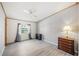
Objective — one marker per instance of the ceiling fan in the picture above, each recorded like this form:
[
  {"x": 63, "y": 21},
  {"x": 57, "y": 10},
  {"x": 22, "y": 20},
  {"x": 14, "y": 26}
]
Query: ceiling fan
[{"x": 30, "y": 12}]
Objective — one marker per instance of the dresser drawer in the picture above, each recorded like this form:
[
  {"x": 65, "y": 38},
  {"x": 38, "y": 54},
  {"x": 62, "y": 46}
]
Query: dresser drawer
[
  {"x": 68, "y": 50},
  {"x": 65, "y": 46},
  {"x": 66, "y": 41}
]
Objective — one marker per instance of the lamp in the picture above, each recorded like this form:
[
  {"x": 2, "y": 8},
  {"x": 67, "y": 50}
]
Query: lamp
[{"x": 67, "y": 30}]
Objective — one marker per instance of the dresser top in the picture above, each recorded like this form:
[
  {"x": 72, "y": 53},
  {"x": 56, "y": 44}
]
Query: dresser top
[{"x": 66, "y": 38}]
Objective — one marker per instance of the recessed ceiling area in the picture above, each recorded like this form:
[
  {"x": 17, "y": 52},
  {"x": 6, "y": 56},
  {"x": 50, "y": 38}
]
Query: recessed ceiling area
[{"x": 33, "y": 11}]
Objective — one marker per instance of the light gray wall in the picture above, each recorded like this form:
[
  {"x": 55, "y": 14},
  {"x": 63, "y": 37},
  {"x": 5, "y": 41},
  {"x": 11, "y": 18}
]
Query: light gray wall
[
  {"x": 52, "y": 27},
  {"x": 2, "y": 30},
  {"x": 12, "y": 29}
]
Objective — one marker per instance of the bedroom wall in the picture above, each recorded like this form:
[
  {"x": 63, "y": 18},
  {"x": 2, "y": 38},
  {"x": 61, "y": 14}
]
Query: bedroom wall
[
  {"x": 12, "y": 29},
  {"x": 52, "y": 27},
  {"x": 2, "y": 30},
  {"x": 78, "y": 27}
]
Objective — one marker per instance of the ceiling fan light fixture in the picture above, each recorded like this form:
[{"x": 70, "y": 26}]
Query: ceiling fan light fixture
[
  {"x": 26, "y": 11},
  {"x": 30, "y": 12}
]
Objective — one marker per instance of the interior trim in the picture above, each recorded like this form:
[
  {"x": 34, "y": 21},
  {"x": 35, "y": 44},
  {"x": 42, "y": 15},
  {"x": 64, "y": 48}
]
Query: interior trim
[
  {"x": 10, "y": 17},
  {"x": 58, "y": 12},
  {"x": 5, "y": 31},
  {"x": 3, "y": 50},
  {"x": 3, "y": 9},
  {"x": 5, "y": 23},
  {"x": 41, "y": 19},
  {"x": 51, "y": 42},
  {"x": 20, "y": 20}
]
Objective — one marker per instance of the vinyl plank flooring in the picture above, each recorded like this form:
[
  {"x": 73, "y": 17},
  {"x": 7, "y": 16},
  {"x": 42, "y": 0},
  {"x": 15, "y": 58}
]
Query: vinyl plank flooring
[{"x": 33, "y": 48}]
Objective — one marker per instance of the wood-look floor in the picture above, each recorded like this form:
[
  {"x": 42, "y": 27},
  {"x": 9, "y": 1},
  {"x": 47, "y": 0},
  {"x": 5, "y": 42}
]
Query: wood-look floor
[{"x": 33, "y": 48}]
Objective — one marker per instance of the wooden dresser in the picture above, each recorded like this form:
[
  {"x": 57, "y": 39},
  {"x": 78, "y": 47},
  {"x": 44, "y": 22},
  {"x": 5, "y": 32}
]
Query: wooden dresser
[{"x": 66, "y": 45}]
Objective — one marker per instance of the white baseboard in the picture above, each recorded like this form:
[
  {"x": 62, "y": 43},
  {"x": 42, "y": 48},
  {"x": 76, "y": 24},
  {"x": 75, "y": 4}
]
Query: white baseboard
[
  {"x": 76, "y": 52},
  {"x": 56, "y": 44},
  {"x": 2, "y": 50},
  {"x": 51, "y": 42}
]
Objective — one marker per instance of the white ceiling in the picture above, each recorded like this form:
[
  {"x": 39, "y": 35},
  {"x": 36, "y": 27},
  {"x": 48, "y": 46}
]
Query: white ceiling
[{"x": 17, "y": 10}]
